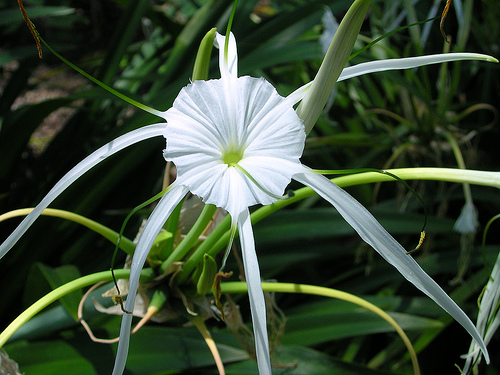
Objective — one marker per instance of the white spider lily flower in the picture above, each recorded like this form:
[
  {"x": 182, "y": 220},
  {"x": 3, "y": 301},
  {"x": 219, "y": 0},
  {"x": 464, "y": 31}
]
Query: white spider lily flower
[
  {"x": 488, "y": 319},
  {"x": 236, "y": 143}
]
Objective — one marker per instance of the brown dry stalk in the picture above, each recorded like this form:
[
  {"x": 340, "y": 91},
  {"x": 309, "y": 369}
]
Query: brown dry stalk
[
  {"x": 443, "y": 17},
  {"x": 32, "y": 28}
]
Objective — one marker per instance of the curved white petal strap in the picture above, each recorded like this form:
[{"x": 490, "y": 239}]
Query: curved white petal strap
[
  {"x": 408, "y": 63},
  {"x": 488, "y": 319},
  {"x": 298, "y": 94},
  {"x": 229, "y": 66},
  {"x": 82, "y": 167},
  {"x": 255, "y": 293},
  {"x": 153, "y": 226},
  {"x": 376, "y": 236}
]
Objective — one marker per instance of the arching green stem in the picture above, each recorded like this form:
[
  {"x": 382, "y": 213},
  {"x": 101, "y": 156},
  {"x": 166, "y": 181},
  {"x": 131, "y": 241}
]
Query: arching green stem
[
  {"x": 67, "y": 288},
  {"x": 125, "y": 244},
  {"x": 241, "y": 287}
]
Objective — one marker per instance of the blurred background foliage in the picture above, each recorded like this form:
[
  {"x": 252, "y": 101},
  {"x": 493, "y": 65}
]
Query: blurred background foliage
[{"x": 51, "y": 118}]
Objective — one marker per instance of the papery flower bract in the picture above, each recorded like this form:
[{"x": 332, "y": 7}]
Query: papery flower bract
[{"x": 236, "y": 142}]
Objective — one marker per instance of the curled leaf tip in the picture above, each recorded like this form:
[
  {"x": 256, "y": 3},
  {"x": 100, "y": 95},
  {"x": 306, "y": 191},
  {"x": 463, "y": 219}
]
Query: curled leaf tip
[{"x": 216, "y": 290}]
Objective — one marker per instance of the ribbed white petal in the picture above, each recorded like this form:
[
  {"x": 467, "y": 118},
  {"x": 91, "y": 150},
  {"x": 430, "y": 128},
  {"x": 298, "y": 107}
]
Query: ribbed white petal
[
  {"x": 155, "y": 222},
  {"x": 376, "y": 236},
  {"x": 255, "y": 293},
  {"x": 408, "y": 63},
  {"x": 229, "y": 66},
  {"x": 245, "y": 116},
  {"x": 224, "y": 187},
  {"x": 86, "y": 164}
]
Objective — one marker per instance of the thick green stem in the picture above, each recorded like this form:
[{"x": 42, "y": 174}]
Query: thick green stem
[
  {"x": 188, "y": 242},
  {"x": 220, "y": 233}
]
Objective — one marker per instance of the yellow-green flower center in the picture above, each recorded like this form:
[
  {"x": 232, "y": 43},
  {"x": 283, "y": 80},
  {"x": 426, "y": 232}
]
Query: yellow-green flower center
[{"x": 232, "y": 158}]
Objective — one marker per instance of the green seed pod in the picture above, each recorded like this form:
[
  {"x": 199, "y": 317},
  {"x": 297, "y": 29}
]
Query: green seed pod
[
  {"x": 206, "y": 279},
  {"x": 202, "y": 62}
]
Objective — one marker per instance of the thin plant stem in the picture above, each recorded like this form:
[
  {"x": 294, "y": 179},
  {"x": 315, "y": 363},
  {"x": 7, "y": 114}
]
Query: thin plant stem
[{"x": 202, "y": 328}]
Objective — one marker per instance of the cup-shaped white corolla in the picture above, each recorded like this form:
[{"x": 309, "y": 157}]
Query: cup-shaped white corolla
[{"x": 236, "y": 143}]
